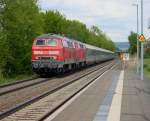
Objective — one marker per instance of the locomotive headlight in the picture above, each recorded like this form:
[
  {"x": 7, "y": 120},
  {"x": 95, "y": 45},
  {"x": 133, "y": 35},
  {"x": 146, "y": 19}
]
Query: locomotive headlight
[
  {"x": 53, "y": 52},
  {"x": 54, "y": 57},
  {"x": 38, "y": 52},
  {"x": 36, "y": 57}
]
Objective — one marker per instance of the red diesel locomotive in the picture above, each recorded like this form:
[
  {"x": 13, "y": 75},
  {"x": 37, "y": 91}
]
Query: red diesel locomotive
[{"x": 52, "y": 52}]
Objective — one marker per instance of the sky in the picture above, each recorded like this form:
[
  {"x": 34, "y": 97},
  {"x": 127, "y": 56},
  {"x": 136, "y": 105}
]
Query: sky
[{"x": 116, "y": 18}]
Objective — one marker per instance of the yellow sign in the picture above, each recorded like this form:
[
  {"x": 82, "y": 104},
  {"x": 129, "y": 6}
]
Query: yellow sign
[{"x": 141, "y": 38}]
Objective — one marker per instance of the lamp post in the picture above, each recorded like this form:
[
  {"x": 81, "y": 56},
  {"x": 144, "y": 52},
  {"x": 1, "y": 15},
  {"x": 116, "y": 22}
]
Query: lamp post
[
  {"x": 149, "y": 23},
  {"x": 137, "y": 6},
  {"x": 142, "y": 42}
]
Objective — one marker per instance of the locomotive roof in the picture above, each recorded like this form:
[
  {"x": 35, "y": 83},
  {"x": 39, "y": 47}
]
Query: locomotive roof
[
  {"x": 49, "y": 35},
  {"x": 55, "y": 35}
]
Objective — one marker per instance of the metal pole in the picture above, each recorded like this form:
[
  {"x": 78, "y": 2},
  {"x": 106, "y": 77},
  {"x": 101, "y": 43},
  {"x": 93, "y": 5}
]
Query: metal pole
[
  {"x": 137, "y": 62},
  {"x": 138, "y": 39},
  {"x": 141, "y": 42}
]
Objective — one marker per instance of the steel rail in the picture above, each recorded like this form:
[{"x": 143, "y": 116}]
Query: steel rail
[{"x": 32, "y": 100}]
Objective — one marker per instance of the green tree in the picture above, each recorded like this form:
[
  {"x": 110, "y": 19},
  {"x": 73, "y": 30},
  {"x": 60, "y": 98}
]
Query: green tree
[
  {"x": 101, "y": 39},
  {"x": 76, "y": 30},
  {"x": 53, "y": 22},
  {"x": 96, "y": 30},
  {"x": 133, "y": 42},
  {"x": 21, "y": 22}
]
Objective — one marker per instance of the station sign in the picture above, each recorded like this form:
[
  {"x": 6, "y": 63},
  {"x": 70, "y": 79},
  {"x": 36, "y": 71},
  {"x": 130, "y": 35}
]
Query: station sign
[{"x": 141, "y": 38}]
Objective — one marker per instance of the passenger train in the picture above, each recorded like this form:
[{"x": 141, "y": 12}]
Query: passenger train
[{"x": 51, "y": 52}]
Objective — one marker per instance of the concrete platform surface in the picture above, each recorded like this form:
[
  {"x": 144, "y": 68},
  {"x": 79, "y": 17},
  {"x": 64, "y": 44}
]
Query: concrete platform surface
[{"x": 136, "y": 96}]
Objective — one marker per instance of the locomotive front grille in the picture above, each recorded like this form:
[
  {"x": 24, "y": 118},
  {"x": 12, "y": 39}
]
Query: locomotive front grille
[
  {"x": 46, "y": 63},
  {"x": 46, "y": 58}
]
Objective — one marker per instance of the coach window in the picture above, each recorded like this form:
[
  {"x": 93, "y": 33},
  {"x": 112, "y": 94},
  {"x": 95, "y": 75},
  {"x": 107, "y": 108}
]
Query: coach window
[
  {"x": 81, "y": 46},
  {"x": 73, "y": 44},
  {"x": 69, "y": 44},
  {"x": 52, "y": 42},
  {"x": 84, "y": 47},
  {"x": 65, "y": 43},
  {"x": 76, "y": 45}
]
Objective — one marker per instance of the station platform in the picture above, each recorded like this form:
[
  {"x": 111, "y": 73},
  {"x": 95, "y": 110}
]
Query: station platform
[
  {"x": 136, "y": 96},
  {"x": 119, "y": 95}
]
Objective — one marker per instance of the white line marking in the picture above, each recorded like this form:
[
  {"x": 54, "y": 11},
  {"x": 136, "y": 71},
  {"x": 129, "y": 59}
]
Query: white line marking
[
  {"x": 115, "y": 109},
  {"x": 51, "y": 117}
]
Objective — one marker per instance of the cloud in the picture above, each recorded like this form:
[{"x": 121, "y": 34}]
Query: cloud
[
  {"x": 115, "y": 17},
  {"x": 90, "y": 8}
]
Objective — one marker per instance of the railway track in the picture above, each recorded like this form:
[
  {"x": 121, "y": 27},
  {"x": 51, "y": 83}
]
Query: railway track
[
  {"x": 20, "y": 85},
  {"x": 9, "y": 88},
  {"x": 24, "y": 104},
  {"x": 17, "y": 82}
]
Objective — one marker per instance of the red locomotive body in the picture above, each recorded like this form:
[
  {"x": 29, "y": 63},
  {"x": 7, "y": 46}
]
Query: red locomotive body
[{"x": 53, "y": 52}]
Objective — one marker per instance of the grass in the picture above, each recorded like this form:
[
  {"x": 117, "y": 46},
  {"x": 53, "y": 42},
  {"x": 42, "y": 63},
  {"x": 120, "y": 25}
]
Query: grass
[
  {"x": 147, "y": 67},
  {"x": 4, "y": 81}
]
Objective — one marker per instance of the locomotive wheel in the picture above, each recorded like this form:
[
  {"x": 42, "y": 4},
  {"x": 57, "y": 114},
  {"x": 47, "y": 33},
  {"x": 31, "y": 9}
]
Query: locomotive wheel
[
  {"x": 60, "y": 70},
  {"x": 73, "y": 66}
]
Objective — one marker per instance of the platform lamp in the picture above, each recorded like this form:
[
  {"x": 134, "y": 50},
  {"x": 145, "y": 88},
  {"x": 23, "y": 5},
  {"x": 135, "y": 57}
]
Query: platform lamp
[
  {"x": 149, "y": 23},
  {"x": 142, "y": 51}
]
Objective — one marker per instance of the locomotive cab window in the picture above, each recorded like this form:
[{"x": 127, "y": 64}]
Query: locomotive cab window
[
  {"x": 40, "y": 42},
  {"x": 52, "y": 42}
]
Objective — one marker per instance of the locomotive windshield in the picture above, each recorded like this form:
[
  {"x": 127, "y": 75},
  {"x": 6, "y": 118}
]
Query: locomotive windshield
[
  {"x": 51, "y": 42},
  {"x": 40, "y": 42}
]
